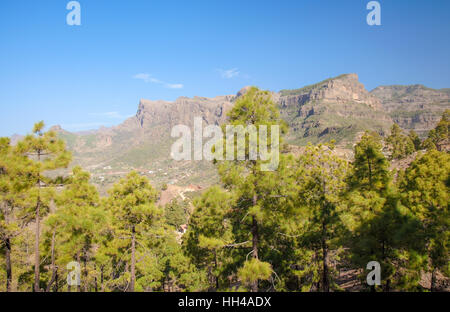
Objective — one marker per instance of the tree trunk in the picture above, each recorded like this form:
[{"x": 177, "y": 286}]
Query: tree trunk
[
  {"x": 7, "y": 242},
  {"x": 215, "y": 266},
  {"x": 133, "y": 259},
  {"x": 95, "y": 278},
  {"x": 255, "y": 243},
  {"x": 325, "y": 281},
  {"x": 387, "y": 287},
  {"x": 370, "y": 172},
  {"x": 54, "y": 269},
  {"x": 86, "y": 282},
  {"x": 101, "y": 279},
  {"x": 78, "y": 260},
  {"x": 36, "y": 248},
  {"x": 36, "y": 243},
  {"x": 433, "y": 280},
  {"x": 8, "y": 264},
  {"x": 55, "y": 289}
]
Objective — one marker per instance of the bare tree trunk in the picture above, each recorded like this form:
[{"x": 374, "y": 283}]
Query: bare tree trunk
[
  {"x": 101, "y": 279},
  {"x": 255, "y": 243},
  {"x": 78, "y": 260},
  {"x": 325, "y": 280},
  {"x": 133, "y": 259},
  {"x": 36, "y": 248},
  {"x": 433, "y": 280},
  {"x": 36, "y": 243},
  {"x": 55, "y": 289},
  {"x": 95, "y": 278},
  {"x": 7, "y": 242},
  {"x": 215, "y": 266},
  {"x": 86, "y": 282},
  {"x": 54, "y": 269},
  {"x": 8, "y": 264}
]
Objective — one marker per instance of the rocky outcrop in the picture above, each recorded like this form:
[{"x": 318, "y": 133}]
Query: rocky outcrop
[
  {"x": 183, "y": 111},
  {"x": 337, "y": 108},
  {"x": 413, "y": 107},
  {"x": 334, "y": 91}
]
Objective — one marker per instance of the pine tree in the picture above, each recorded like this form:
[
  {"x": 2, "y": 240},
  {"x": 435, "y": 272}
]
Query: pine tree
[
  {"x": 77, "y": 223},
  {"x": 254, "y": 271},
  {"x": 244, "y": 176},
  {"x": 415, "y": 139},
  {"x": 14, "y": 183},
  {"x": 370, "y": 167},
  {"x": 132, "y": 202},
  {"x": 48, "y": 153},
  {"x": 439, "y": 136},
  {"x": 320, "y": 178},
  {"x": 177, "y": 271},
  {"x": 175, "y": 214},
  {"x": 400, "y": 145},
  {"x": 428, "y": 143},
  {"x": 426, "y": 188},
  {"x": 209, "y": 235},
  {"x": 381, "y": 229},
  {"x": 7, "y": 225}
]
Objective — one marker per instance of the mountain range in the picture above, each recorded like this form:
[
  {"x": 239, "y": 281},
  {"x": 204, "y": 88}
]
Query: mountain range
[{"x": 338, "y": 108}]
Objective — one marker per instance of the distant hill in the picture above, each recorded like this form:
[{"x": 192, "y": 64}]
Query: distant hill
[{"x": 414, "y": 107}]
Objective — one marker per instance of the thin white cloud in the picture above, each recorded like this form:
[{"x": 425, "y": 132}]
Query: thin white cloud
[
  {"x": 174, "y": 86},
  {"x": 228, "y": 73},
  {"x": 149, "y": 79},
  {"x": 111, "y": 115},
  {"x": 144, "y": 77}
]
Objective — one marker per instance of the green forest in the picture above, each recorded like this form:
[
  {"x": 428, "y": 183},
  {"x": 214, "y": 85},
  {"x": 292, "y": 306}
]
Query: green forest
[{"x": 311, "y": 225}]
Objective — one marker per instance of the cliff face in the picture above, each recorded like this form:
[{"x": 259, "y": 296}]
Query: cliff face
[
  {"x": 414, "y": 107},
  {"x": 164, "y": 114},
  {"x": 143, "y": 142},
  {"x": 337, "y": 108},
  {"x": 339, "y": 90}
]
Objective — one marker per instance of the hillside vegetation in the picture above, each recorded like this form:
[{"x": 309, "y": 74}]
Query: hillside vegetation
[{"x": 312, "y": 224}]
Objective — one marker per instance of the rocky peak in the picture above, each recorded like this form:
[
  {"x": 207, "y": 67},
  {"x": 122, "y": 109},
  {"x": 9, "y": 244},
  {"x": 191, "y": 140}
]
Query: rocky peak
[
  {"x": 337, "y": 108},
  {"x": 183, "y": 111},
  {"x": 339, "y": 90},
  {"x": 56, "y": 128}
]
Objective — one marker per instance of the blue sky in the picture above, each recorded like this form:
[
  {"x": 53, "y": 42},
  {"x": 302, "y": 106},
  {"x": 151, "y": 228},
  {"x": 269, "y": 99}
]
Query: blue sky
[{"x": 85, "y": 76}]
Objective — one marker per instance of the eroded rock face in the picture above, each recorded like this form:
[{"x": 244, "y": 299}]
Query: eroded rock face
[
  {"x": 339, "y": 90},
  {"x": 183, "y": 111},
  {"x": 336, "y": 108},
  {"x": 414, "y": 107}
]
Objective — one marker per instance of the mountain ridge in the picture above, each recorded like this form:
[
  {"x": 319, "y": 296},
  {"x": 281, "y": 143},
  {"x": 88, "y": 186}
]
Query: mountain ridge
[{"x": 338, "y": 108}]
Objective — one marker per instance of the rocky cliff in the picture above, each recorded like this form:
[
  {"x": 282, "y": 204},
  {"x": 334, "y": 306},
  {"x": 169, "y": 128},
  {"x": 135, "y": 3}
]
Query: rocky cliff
[
  {"x": 414, "y": 107},
  {"x": 337, "y": 108}
]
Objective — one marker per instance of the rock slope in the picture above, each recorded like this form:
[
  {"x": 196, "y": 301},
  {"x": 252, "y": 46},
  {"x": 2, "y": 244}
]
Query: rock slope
[{"x": 414, "y": 107}]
